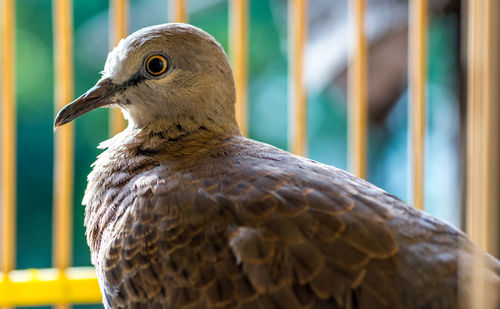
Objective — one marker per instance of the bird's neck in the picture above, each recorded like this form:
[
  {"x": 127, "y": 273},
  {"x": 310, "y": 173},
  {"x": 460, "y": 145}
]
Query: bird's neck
[
  {"x": 168, "y": 140},
  {"x": 177, "y": 134},
  {"x": 171, "y": 147}
]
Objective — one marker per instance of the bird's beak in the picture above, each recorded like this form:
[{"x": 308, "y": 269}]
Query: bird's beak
[{"x": 98, "y": 96}]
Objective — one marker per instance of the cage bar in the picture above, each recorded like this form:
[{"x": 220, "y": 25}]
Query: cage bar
[
  {"x": 472, "y": 119},
  {"x": 64, "y": 136},
  {"x": 8, "y": 140},
  {"x": 483, "y": 124},
  {"x": 39, "y": 287},
  {"x": 297, "y": 28},
  {"x": 489, "y": 124},
  {"x": 178, "y": 11},
  {"x": 119, "y": 30},
  {"x": 476, "y": 212},
  {"x": 482, "y": 146},
  {"x": 357, "y": 92},
  {"x": 492, "y": 127},
  {"x": 238, "y": 30},
  {"x": 417, "y": 77},
  {"x": 473, "y": 208}
]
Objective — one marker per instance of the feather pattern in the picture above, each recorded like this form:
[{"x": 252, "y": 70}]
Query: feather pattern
[{"x": 211, "y": 221}]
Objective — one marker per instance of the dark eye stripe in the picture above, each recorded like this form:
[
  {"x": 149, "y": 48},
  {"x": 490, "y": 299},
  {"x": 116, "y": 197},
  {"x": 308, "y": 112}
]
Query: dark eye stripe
[
  {"x": 156, "y": 65},
  {"x": 134, "y": 80}
]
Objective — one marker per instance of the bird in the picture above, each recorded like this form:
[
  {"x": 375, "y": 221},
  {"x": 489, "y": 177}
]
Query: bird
[{"x": 182, "y": 211}]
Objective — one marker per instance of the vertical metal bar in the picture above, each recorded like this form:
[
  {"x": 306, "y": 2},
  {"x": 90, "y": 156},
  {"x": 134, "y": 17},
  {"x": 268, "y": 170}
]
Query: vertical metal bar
[
  {"x": 472, "y": 112},
  {"x": 238, "y": 50},
  {"x": 474, "y": 181},
  {"x": 417, "y": 77},
  {"x": 8, "y": 140},
  {"x": 357, "y": 107},
  {"x": 472, "y": 216},
  {"x": 489, "y": 124},
  {"x": 297, "y": 27},
  {"x": 482, "y": 142},
  {"x": 492, "y": 127},
  {"x": 119, "y": 30},
  {"x": 64, "y": 143},
  {"x": 178, "y": 11},
  {"x": 484, "y": 109}
]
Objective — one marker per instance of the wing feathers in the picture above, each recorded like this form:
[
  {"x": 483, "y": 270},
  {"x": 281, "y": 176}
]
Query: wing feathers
[{"x": 259, "y": 237}]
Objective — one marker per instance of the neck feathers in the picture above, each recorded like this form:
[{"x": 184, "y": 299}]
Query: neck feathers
[{"x": 131, "y": 154}]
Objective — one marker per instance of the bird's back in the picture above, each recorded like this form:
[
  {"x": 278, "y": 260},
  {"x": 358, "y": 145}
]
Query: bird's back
[{"x": 205, "y": 222}]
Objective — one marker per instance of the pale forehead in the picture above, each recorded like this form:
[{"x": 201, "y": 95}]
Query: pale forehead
[{"x": 126, "y": 57}]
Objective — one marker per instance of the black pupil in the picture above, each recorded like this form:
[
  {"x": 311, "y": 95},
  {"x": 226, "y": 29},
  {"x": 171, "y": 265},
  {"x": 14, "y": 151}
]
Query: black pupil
[{"x": 155, "y": 65}]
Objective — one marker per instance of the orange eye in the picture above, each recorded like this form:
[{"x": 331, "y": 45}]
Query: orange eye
[{"x": 156, "y": 65}]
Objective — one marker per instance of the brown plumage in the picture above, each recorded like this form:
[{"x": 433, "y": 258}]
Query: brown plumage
[{"x": 183, "y": 212}]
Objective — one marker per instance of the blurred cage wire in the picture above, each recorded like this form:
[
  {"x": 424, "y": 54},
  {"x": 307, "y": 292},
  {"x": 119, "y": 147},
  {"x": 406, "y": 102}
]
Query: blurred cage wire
[{"x": 64, "y": 285}]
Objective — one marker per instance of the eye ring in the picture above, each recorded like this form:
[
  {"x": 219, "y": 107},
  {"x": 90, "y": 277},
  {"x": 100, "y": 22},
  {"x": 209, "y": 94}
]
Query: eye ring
[{"x": 156, "y": 65}]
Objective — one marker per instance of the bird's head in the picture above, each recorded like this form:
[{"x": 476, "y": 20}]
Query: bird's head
[{"x": 170, "y": 73}]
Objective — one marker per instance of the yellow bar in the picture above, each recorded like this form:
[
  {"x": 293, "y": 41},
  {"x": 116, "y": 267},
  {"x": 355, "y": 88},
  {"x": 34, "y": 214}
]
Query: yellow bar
[
  {"x": 417, "y": 101},
  {"x": 297, "y": 28},
  {"x": 63, "y": 159},
  {"x": 238, "y": 29},
  {"x": 39, "y": 287},
  {"x": 357, "y": 107},
  {"x": 178, "y": 11},
  {"x": 119, "y": 30},
  {"x": 8, "y": 140}
]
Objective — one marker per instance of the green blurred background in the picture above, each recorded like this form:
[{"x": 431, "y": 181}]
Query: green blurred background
[{"x": 267, "y": 114}]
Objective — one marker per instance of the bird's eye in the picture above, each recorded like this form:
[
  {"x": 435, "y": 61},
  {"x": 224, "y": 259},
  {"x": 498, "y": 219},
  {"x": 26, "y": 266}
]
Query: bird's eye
[{"x": 156, "y": 65}]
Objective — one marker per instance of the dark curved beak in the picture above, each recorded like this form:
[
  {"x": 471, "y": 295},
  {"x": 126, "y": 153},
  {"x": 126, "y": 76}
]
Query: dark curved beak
[{"x": 98, "y": 96}]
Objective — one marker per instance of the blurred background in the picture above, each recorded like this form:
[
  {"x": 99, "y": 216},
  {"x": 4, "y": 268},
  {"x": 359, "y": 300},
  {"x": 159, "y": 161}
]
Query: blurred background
[{"x": 326, "y": 63}]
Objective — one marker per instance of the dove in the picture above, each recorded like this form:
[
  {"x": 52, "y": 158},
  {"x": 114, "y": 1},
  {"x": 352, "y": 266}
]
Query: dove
[{"x": 181, "y": 211}]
